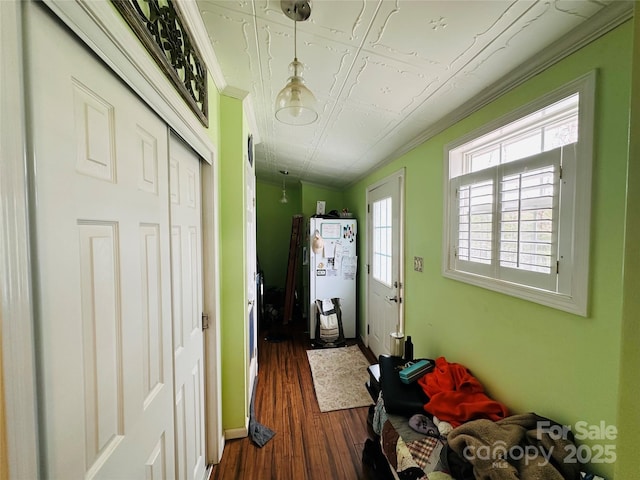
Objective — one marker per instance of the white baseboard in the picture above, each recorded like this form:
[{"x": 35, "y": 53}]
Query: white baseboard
[{"x": 233, "y": 433}]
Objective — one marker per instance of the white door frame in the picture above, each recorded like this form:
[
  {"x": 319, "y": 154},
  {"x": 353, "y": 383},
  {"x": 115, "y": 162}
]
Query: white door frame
[
  {"x": 399, "y": 176},
  {"x": 211, "y": 305},
  {"x": 16, "y": 306},
  {"x": 250, "y": 250},
  {"x": 99, "y": 26}
]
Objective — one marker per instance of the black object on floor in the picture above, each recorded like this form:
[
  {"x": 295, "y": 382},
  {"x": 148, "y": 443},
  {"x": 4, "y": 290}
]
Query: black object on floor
[
  {"x": 373, "y": 385},
  {"x": 276, "y": 337},
  {"x": 259, "y": 434},
  {"x": 375, "y": 463},
  {"x": 328, "y": 337}
]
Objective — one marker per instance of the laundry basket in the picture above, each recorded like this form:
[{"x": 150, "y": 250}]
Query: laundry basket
[{"x": 329, "y": 332}]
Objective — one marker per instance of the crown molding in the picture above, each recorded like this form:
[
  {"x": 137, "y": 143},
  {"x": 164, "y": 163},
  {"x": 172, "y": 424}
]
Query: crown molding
[
  {"x": 319, "y": 185},
  {"x": 234, "y": 92},
  {"x": 598, "y": 25},
  {"x": 193, "y": 17},
  {"x": 250, "y": 115}
]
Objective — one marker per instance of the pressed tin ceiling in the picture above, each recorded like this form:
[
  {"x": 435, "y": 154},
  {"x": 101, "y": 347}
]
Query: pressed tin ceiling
[{"x": 386, "y": 73}]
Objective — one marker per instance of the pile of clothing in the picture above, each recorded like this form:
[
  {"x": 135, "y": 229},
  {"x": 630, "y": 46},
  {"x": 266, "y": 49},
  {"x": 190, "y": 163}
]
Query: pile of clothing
[
  {"x": 518, "y": 447},
  {"x": 483, "y": 441},
  {"x": 455, "y": 431},
  {"x": 456, "y": 396}
]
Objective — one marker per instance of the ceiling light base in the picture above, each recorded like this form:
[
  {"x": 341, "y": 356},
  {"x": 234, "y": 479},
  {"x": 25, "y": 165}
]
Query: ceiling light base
[{"x": 296, "y": 10}]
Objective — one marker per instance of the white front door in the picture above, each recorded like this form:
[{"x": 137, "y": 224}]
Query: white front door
[
  {"x": 384, "y": 247},
  {"x": 186, "y": 263},
  {"x": 103, "y": 281}
]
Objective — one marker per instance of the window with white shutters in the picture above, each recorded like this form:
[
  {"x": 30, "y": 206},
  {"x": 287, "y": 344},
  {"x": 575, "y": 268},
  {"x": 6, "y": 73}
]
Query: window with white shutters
[
  {"x": 507, "y": 220},
  {"x": 515, "y": 202}
]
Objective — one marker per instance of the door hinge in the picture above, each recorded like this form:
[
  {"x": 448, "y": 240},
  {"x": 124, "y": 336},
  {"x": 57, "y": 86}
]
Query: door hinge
[
  {"x": 368, "y": 208},
  {"x": 368, "y": 270},
  {"x": 367, "y": 329},
  {"x": 560, "y": 172},
  {"x": 557, "y": 267},
  {"x": 205, "y": 321}
]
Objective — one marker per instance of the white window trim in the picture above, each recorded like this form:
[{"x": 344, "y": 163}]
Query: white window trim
[{"x": 578, "y": 261}]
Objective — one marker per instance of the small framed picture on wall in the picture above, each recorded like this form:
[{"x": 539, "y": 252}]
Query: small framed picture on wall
[
  {"x": 320, "y": 207},
  {"x": 250, "y": 149}
]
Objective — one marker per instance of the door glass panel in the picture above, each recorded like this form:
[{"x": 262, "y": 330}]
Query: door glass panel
[{"x": 382, "y": 245}]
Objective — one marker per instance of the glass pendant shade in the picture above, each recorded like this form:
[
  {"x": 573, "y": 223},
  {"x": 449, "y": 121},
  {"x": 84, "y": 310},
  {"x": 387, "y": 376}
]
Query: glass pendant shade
[
  {"x": 295, "y": 104},
  {"x": 284, "y": 198}
]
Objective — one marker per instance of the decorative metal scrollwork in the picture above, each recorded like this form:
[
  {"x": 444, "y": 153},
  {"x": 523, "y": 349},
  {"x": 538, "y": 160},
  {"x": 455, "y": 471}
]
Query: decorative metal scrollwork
[{"x": 161, "y": 29}]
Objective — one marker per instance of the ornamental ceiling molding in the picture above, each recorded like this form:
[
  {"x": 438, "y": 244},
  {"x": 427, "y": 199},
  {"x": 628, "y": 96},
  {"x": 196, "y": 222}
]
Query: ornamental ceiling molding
[{"x": 598, "y": 25}]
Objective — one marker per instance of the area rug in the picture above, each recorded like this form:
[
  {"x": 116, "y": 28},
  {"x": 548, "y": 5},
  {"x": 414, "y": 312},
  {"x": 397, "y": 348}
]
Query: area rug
[{"x": 339, "y": 377}]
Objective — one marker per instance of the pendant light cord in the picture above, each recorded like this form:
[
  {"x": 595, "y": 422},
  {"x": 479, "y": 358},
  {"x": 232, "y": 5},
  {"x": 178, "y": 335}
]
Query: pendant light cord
[{"x": 295, "y": 40}]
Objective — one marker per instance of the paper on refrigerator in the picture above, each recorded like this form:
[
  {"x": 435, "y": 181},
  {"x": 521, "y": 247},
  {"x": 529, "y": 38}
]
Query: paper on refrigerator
[{"x": 349, "y": 267}]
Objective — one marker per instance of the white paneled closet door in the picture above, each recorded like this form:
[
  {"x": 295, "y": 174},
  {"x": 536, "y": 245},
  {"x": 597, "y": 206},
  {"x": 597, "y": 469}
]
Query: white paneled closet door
[
  {"x": 102, "y": 253},
  {"x": 186, "y": 259}
]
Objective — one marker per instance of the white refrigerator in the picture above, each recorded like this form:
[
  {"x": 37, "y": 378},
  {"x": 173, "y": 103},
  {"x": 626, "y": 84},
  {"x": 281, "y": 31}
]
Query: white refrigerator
[{"x": 332, "y": 268}]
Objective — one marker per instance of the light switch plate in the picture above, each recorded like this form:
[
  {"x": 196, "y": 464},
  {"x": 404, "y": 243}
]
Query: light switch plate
[{"x": 417, "y": 264}]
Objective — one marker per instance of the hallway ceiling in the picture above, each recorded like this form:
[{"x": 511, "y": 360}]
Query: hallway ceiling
[{"x": 386, "y": 73}]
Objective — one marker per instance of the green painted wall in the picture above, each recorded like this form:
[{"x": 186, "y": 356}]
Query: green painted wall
[
  {"x": 628, "y": 464},
  {"x": 233, "y": 326},
  {"x": 274, "y": 229},
  {"x": 532, "y": 357},
  {"x": 312, "y": 193}
]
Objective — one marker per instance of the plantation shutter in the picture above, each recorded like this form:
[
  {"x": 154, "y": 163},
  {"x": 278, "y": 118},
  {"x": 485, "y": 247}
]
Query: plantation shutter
[
  {"x": 506, "y": 220},
  {"x": 528, "y": 225},
  {"x": 474, "y": 222}
]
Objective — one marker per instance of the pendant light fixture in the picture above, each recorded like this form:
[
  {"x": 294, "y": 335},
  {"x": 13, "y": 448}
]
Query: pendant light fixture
[
  {"x": 295, "y": 104},
  {"x": 284, "y": 198}
]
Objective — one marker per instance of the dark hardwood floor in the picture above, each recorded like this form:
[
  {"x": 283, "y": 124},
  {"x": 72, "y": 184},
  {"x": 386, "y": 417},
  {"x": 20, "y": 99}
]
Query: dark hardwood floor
[{"x": 308, "y": 444}]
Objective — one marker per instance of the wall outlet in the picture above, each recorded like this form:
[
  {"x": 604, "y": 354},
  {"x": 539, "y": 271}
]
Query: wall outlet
[{"x": 417, "y": 264}]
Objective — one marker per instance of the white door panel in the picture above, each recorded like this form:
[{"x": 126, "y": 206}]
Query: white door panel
[
  {"x": 101, "y": 221},
  {"x": 377, "y": 328},
  {"x": 186, "y": 256}
]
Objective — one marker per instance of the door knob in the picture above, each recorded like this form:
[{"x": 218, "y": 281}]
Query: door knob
[{"x": 393, "y": 299}]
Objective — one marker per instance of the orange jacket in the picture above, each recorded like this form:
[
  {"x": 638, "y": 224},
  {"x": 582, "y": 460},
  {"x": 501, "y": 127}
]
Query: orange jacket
[{"x": 456, "y": 396}]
